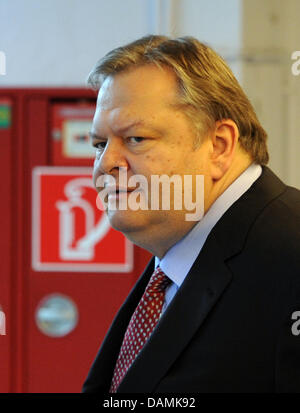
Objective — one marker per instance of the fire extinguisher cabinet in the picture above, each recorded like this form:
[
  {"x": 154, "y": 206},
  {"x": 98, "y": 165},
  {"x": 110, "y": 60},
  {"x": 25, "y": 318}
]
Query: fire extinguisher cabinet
[{"x": 64, "y": 272}]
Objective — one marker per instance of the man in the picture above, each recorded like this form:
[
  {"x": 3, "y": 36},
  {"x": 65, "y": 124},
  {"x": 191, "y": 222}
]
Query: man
[{"x": 225, "y": 317}]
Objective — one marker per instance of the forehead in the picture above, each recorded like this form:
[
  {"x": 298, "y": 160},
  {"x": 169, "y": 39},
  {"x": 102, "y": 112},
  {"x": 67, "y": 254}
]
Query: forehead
[{"x": 139, "y": 87}]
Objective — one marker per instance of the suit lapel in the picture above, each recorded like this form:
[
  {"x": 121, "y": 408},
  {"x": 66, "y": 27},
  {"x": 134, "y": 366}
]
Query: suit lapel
[{"x": 198, "y": 294}]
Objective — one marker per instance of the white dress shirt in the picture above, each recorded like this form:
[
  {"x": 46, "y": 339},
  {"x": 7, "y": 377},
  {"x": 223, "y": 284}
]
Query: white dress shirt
[{"x": 178, "y": 260}]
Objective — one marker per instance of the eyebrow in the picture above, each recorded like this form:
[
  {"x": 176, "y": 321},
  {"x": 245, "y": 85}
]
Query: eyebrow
[
  {"x": 94, "y": 136},
  {"x": 127, "y": 127},
  {"x": 131, "y": 125}
]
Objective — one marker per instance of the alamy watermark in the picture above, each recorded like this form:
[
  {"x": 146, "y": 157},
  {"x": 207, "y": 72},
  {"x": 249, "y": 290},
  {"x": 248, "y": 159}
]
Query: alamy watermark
[
  {"x": 296, "y": 324},
  {"x": 296, "y": 65},
  {"x": 160, "y": 192},
  {"x": 2, "y": 324},
  {"x": 2, "y": 63}
]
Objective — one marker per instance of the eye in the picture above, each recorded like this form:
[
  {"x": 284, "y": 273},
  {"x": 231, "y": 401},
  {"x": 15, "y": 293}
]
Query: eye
[
  {"x": 135, "y": 139},
  {"x": 100, "y": 145}
]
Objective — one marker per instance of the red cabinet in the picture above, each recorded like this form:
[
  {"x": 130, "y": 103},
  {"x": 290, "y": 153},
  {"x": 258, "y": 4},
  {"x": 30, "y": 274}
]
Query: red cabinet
[{"x": 63, "y": 272}]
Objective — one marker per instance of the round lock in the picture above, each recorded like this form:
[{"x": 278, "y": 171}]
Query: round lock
[{"x": 56, "y": 315}]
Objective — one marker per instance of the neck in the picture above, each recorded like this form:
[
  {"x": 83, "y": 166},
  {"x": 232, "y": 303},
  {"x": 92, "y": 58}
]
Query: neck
[
  {"x": 153, "y": 241},
  {"x": 217, "y": 187}
]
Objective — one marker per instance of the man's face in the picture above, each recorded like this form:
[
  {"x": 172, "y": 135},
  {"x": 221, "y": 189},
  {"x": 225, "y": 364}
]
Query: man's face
[{"x": 135, "y": 127}]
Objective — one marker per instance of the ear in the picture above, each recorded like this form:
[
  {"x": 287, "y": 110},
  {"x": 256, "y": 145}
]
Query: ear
[{"x": 224, "y": 142}]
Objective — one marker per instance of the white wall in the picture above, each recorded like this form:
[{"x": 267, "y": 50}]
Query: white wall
[
  {"x": 56, "y": 42},
  {"x": 271, "y": 33}
]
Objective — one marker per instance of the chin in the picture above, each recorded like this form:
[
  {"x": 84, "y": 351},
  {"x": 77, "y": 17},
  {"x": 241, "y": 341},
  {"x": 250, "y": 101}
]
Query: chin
[{"x": 125, "y": 221}]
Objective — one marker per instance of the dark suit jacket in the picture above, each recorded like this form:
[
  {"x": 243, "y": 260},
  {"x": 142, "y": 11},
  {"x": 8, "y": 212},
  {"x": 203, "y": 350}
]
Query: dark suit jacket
[{"x": 229, "y": 327}]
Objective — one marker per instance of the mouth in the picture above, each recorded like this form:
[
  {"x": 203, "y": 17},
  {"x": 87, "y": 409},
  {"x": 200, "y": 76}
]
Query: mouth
[{"x": 117, "y": 192}]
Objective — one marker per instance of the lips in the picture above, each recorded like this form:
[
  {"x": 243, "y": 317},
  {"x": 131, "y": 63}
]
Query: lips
[{"x": 116, "y": 190}]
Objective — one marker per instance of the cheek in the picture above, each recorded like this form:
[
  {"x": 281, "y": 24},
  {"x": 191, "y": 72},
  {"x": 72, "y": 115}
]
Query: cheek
[
  {"x": 159, "y": 163},
  {"x": 147, "y": 165}
]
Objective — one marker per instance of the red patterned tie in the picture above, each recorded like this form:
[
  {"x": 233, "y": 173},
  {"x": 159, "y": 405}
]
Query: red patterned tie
[{"x": 141, "y": 325}]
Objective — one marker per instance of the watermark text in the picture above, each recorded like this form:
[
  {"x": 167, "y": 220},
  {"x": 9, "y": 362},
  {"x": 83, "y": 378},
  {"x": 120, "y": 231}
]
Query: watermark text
[
  {"x": 296, "y": 65},
  {"x": 296, "y": 324},
  {"x": 2, "y": 324},
  {"x": 159, "y": 192},
  {"x": 2, "y": 64}
]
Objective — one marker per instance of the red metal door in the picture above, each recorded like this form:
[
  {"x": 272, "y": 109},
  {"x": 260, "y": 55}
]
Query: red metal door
[
  {"x": 6, "y": 239},
  {"x": 32, "y": 296}
]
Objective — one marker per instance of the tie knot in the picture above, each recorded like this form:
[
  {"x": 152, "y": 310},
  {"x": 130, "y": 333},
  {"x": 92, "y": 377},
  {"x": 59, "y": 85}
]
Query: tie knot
[{"x": 158, "y": 281}]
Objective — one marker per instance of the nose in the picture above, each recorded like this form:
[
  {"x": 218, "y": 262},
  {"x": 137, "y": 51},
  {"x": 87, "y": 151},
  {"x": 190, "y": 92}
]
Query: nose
[{"x": 110, "y": 160}]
